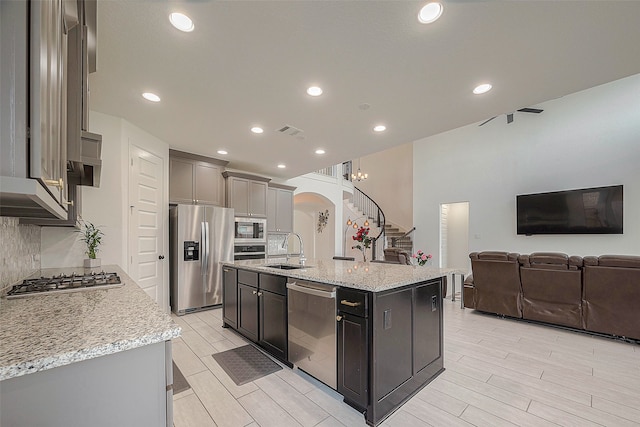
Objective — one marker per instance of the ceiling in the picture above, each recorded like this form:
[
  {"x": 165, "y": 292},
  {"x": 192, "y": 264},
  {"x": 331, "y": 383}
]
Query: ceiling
[{"x": 249, "y": 63}]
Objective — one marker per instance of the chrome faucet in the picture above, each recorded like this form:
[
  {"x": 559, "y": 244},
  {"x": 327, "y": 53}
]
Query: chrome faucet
[{"x": 302, "y": 259}]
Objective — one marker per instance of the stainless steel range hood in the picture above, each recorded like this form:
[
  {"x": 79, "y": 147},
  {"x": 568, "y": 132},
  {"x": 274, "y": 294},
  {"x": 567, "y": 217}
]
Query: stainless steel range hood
[{"x": 85, "y": 160}]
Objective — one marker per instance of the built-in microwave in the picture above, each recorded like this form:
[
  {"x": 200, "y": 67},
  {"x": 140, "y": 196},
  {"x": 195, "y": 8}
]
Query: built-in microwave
[{"x": 250, "y": 230}]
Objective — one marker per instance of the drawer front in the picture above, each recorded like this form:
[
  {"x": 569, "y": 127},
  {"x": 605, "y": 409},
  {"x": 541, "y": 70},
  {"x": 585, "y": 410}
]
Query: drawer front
[
  {"x": 353, "y": 302},
  {"x": 248, "y": 278},
  {"x": 275, "y": 284}
]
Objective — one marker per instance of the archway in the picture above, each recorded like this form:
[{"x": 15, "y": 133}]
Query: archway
[{"x": 319, "y": 240}]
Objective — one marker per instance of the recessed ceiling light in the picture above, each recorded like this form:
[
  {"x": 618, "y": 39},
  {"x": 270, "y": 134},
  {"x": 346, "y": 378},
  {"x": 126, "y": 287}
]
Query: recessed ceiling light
[
  {"x": 223, "y": 152},
  {"x": 151, "y": 97},
  {"x": 483, "y": 88},
  {"x": 320, "y": 151},
  {"x": 314, "y": 91},
  {"x": 430, "y": 12},
  {"x": 380, "y": 128},
  {"x": 182, "y": 22},
  {"x": 257, "y": 129},
  {"x": 281, "y": 166}
]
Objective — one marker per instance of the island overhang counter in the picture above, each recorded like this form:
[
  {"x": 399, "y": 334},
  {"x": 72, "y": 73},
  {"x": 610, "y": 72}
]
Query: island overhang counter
[{"x": 388, "y": 323}]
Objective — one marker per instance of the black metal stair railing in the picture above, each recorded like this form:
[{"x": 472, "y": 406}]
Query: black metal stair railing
[{"x": 371, "y": 210}]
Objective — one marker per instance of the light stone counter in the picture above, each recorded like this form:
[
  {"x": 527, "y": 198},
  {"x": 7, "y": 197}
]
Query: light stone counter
[
  {"x": 46, "y": 331},
  {"x": 368, "y": 276}
]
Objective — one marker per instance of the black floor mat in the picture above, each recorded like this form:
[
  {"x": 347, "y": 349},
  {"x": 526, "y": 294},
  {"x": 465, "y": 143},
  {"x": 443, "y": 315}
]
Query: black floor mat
[
  {"x": 180, "y": 383},
  {"x": 245, "y": 364}
]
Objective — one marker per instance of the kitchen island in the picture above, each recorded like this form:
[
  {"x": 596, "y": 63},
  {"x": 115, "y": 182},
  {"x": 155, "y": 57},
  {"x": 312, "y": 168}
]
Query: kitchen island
[
  {"x": 387, "y": 327},
  {"x": 98, "y": 357}
]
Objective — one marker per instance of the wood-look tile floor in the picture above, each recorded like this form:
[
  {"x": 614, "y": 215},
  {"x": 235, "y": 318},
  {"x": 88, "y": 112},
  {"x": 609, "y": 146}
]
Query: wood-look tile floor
[{"x": 499, "y": 372}]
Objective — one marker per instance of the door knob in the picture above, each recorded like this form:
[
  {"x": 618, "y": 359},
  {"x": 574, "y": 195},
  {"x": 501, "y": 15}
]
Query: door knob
[{"x": 161, "y": 257}]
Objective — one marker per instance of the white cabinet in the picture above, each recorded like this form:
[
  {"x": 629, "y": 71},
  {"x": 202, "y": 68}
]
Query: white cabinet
[
  {"x": 280, "y": 209},
  {"x": 195, "y": 179},
  {"x": 247, "y": 194}
]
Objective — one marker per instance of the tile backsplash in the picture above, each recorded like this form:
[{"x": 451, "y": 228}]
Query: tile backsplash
[
  {"x": 274, "y": 244},
  {"x": 19, "y": 251}
]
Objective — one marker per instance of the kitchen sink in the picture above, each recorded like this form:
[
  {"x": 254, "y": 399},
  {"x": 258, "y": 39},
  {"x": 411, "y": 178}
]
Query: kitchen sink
[{"x": 287, "y": 266}]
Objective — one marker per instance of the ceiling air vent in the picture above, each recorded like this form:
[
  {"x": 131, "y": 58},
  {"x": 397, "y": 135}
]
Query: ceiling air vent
[{"x": 291, "y": 131}]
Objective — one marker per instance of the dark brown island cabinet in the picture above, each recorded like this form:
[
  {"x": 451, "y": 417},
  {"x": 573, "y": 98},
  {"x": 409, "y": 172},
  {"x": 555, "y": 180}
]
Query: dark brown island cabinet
[
  {"x": 389, "y": 346},
  {"x": 255, "y": 305},
  {"x": 389, "y": 343}
]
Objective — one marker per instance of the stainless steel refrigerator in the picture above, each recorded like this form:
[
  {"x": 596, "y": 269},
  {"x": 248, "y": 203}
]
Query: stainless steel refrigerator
[{"x": 200, "y": 238}]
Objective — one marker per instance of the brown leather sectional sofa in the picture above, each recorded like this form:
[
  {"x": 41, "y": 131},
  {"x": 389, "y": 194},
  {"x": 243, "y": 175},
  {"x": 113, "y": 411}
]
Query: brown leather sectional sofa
[{"x": 596, "y": 294}]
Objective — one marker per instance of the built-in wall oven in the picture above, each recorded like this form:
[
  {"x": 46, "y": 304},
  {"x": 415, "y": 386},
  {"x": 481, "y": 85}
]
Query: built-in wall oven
[
  {"x": 250, "y": 238},
  {"x": 250, "y": 230},
  {"x": 243, "y": 251}
]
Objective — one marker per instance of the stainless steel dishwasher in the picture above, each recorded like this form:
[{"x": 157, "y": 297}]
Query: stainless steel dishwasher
[{"x": 312, "y": 329}]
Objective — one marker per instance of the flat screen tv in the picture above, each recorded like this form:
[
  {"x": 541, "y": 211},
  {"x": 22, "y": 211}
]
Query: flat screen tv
[{"x": 585, "y": 211}]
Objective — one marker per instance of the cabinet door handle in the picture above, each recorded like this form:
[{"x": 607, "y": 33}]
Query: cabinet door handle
[
  {"x": 349, "y": 303},
  {"x": 160, "y": 256},
  {"x": 55, "y": 182},
  {"x": 226, "y": 270},
  {"x": 64, "y": 202},
  {"x": 255, "y": 292},
  {"x": 259, "y": 294},
  {"x": 338, "y": 318}
]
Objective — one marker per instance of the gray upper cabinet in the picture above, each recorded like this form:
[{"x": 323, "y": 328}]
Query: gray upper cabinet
[
  {"x": 83, "y": 148},
  {"x": 48, "y": 101},
  {"x": 209, "y": 184},
  {"x": 280, "y": 209},
  {"x": 247, "y": 194},
  {"x": 33, "y": 127},
  {"x": 195, "y": 179}
]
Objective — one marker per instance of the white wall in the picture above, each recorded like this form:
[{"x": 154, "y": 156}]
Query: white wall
[
  {"x": 390, "y": 183},
  {"x": 587, "y": 139},
  {"x": 307, "y": 207},
  {"x": 103, "y": 206},
  {"x": 107, "y": 205}
]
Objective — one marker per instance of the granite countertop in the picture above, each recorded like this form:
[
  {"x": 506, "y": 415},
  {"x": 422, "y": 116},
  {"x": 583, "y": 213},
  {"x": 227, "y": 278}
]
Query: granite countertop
[
  {"x": 368, "y": 276},
  {"x": 46, "y": 331}
]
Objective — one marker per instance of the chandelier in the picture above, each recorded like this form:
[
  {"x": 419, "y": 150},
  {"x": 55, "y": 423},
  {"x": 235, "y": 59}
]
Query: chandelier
[{"x": 359, "y": 176}]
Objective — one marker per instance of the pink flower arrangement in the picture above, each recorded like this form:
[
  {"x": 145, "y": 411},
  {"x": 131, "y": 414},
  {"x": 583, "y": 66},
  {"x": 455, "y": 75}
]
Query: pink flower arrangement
[{"x": 422, "y": 257}]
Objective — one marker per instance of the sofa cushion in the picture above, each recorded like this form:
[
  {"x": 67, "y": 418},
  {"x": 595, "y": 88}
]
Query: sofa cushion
[
  {"x": 622, "y": 261},
  {"x": 494, "y": 255},
  {"x": 551, "y": 261}
]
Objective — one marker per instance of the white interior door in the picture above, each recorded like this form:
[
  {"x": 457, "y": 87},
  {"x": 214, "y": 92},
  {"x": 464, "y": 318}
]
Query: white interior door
[{"x": 146, "y": 219}]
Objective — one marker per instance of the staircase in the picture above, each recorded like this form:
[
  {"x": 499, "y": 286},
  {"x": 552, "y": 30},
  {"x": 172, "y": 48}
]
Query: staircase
[
  {"x": 391, "y": 232},
  {"x": 386, "y": 235}
]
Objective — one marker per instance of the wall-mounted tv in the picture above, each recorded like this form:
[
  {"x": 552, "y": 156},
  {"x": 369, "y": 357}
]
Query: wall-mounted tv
[{"x": 585, "y": 211}]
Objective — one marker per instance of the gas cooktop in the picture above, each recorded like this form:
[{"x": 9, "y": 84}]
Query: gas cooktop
[{"x": 64, "y": 283}]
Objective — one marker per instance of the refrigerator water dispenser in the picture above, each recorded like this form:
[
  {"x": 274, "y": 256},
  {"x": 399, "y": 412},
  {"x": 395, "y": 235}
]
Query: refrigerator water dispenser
[{"x": 191, "y": 251}]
